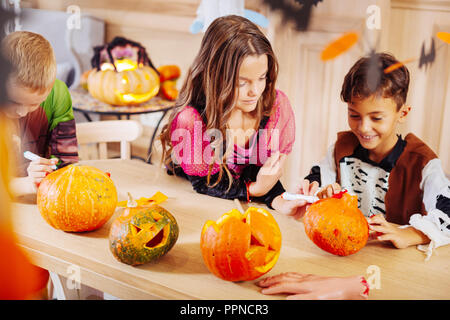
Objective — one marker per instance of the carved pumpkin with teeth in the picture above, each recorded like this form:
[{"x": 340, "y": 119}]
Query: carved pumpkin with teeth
[
  {"x": 142, "y": 234},
  {"x": 241, "y": 247}
]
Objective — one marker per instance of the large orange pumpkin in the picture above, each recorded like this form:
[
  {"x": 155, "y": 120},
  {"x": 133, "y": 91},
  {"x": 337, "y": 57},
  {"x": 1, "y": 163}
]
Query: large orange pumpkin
[
  {"x": 77, "y": 198},
  {"x": 240, "y": 247},
  {"x": 336, "y": 225}
]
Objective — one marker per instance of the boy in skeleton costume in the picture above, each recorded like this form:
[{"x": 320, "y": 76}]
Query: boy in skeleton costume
[{"x": 400, "y": 183}]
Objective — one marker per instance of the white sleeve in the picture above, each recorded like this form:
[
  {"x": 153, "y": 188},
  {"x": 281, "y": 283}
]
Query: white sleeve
[
  {"x": 328, "y": 168},
  {"x": 435, "y": 224}
]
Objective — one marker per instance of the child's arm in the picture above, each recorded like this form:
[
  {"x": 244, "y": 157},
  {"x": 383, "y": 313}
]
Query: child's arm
[
  {"x": 400, "y": 236},
  {"x": 268, "y": 175},
  {"x": 432, "y": 228},
  {"x": 37, "y": 170},
  {"x": 436, "y": 199},
  {"x": 325, "y": 175},
  {"x": 63, "y": 141},
  {"x": 296, "y": 208}
]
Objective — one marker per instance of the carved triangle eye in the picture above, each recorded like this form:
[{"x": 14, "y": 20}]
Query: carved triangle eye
[
  {"x": 156, "y": 240},
  {"x": 135, "y": 229},
  {"x": 255, "y": 242}
]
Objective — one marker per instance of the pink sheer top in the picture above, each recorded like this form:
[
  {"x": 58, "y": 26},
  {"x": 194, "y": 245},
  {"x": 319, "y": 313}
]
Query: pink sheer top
[{"x": 193, "y": 151}]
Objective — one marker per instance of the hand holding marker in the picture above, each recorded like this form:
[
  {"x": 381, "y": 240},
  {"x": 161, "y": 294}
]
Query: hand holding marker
[
  {"x": 34, "y": 157},
  {"x": 39, "y": 167},
  {"x": 294, "y": 196}
]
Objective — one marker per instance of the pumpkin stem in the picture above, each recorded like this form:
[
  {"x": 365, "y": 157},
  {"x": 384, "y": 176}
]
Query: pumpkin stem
[{"x": 131, "y": 202}]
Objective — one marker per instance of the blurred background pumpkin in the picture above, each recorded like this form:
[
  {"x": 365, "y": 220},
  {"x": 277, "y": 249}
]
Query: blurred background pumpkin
[{"x": 123, "y": 74}]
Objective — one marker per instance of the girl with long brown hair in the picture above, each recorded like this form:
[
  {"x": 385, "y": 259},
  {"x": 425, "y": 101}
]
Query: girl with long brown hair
[{"x": 231, "y": 129}]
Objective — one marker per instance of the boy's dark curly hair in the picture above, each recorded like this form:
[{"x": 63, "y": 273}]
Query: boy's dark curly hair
[{"x": 368, "y": 77}]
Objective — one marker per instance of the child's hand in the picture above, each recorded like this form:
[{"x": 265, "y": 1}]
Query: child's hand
[
  {"x": 329, "y": 190},
  {"x": 313, "y": 287},
  {"x": 38, "y": 169},
  {"x": 400, "y": 238},
  {"x": 268, "y": 175},
  {"x": 308, "y": 189},
  {"x": 293, "y": 208},
  {"x": 296, "y": 208}
]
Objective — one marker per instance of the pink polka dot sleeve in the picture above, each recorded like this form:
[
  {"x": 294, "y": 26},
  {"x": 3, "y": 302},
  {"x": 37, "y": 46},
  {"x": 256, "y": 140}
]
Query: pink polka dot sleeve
[
  {"x": 190, "y": 150},
  {"x": 281, "y": 125}
]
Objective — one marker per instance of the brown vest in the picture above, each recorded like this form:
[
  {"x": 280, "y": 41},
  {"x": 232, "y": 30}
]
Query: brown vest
[{"x": 404, "y": 197}]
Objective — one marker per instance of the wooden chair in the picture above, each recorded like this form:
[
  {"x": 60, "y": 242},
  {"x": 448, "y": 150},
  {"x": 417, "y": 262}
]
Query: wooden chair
[{"x": 101, "y": 132}]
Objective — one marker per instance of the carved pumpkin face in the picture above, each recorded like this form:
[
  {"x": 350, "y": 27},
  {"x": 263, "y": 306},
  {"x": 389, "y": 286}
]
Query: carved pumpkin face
[
  {"x": 142, "y": 234},
  {"x": 131, "y": 84},
  {"x": 336, "y": 225},
  {"x": 240, "y": 247}
]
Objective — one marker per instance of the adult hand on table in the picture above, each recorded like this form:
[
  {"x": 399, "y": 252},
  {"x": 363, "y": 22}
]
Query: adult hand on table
[{"x": 313, "y": 287}]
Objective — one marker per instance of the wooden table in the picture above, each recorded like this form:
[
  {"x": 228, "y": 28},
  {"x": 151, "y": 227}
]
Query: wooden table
[{"x": 181, "y": 274}]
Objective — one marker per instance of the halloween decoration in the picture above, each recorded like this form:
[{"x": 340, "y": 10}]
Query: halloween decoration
[
  {"x": 298, "y": 12},
  {"x": 168, "y": 75},
  {"x": 336, "y": 225},
  {"x": 339, "y": 46},
  {"x": 240, "y": 247},
  {"x": 77, "y": 198},
  {"x": 209, "y": 10},
  {"x": 443, "y": 36},
  {"x": 122, "y": 81},
  {"x": 142, "y": 234},
  {"x": 397, "y": 65},
  {"x": 157, "y": 198},
  {"x": 426, "y": 59}
]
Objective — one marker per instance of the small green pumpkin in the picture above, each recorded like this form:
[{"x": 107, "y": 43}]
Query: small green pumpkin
[{"x": 142, "y": 234}]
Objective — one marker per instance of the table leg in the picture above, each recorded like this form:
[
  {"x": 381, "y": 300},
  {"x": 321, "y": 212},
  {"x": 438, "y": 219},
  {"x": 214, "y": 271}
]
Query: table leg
[
  {"x": 86, "y": 115},
  {"x": 149, "y": 153}
]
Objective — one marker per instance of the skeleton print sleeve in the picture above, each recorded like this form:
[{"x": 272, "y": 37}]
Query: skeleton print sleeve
[
  {"x": 436, "y": 198},
  {"x": 324, "y": 172}
]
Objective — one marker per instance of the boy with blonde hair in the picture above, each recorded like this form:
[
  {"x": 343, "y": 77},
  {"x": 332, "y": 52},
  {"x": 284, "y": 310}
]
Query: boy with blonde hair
[{"x": 41, "y": 106}]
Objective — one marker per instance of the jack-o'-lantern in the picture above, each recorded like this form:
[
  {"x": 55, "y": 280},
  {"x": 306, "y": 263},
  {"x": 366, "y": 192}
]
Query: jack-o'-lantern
[
  {"x": 240, "y": 247},
  {"x": 142, "y": 233},
  {"x": 122, "y": 81},
  {"x": 77, "y": 198},
  {"x": 336, "y": 225}
]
